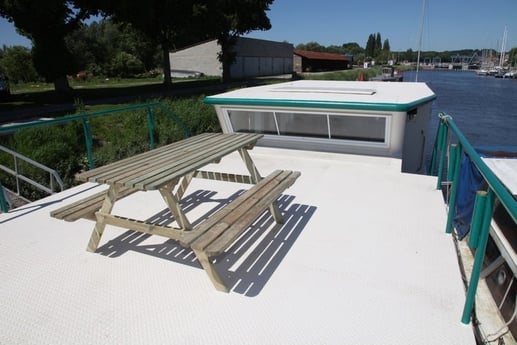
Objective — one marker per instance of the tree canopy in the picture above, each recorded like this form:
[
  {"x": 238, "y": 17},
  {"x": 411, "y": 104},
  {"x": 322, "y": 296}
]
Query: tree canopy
[
  {"x": 176, "y": 23},
  {"x": 229, "y": 19},
  {"x": 111, "y": 49},
  {"x": 46, "y": 25},
  {"x": 16, "y": 63},
  {"x": 167, "y": 23}
]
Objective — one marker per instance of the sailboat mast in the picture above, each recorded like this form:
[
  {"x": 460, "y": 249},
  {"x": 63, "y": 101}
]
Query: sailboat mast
[
  {"x": 503, "y": 47},
  {"x": 420, "y": 40}
]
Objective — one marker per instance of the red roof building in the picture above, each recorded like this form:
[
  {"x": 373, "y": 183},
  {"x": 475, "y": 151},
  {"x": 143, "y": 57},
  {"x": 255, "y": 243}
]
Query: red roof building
[{"x": 307, "y": 61}]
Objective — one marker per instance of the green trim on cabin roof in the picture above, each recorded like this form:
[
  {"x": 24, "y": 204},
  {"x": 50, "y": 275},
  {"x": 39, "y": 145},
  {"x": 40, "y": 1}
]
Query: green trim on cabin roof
[{"x": 318, "y": 104}]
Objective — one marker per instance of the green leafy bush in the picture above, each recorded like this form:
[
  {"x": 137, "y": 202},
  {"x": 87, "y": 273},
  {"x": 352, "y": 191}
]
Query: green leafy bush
[
  {"x": 125, "y": 65},
  {"x": 114, "y": 137}
]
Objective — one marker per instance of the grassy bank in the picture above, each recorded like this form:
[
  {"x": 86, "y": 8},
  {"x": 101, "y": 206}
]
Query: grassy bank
[
  {"x": 96, "y": 89},
  {"x": 62, "y": 147}
]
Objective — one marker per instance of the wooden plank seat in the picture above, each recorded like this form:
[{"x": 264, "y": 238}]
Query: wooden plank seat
[
  {"x": 208, "y": 239},
  {"x": 216, "y": 234},
  {"x": 86, "y": 207}
]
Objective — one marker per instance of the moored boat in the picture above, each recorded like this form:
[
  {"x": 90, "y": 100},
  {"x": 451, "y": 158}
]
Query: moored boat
[
  {"x": 364, "y": 243},
  {"x": 389, "y": 73}
]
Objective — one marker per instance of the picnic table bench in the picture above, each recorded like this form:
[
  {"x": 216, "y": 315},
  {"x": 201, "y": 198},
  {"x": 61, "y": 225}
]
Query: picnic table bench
[{"x": 170, "y": 169}]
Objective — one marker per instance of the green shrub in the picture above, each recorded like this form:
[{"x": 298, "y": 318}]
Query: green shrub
[
  {"x": 125, "y": 65},
  {"x": 60, "y": 147},
  {"x": 114, "y": 137},
  {"x": 197, "y": 115}
]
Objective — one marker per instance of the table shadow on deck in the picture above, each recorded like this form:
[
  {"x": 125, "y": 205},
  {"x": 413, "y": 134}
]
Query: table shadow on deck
[{"x": 248, "y": 264}]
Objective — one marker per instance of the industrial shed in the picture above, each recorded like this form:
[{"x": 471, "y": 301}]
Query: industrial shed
[
  {"x": 307, "y": 61},
  {"x": 254, "y": 58}
]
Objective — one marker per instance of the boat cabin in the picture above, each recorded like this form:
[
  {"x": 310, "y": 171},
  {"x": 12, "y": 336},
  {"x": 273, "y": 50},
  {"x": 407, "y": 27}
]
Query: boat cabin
[{"x": 368, "y": 118}]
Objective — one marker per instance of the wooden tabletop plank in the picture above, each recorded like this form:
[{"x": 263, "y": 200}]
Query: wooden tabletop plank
[
  {"x": 152, "y": 169},
  {"x": 92, "y": 175},
  {"x": 142, "y": 165},
  {"x": 179, "y": 163},
  {"x": 194, "y": 161},
  {"x": 172, "y": 161}
]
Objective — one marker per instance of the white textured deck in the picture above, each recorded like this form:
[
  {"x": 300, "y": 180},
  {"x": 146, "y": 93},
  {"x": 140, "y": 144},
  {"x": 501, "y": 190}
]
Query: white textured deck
[{"x": 363, "y": 259}]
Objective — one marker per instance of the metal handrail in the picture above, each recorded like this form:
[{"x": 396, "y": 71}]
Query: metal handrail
[
  {"x": 3, "y": 199},
  {"x": 53, "y": 174},
  {"x": 84, "y": 117},
  {"x": 484, "y": 204}
]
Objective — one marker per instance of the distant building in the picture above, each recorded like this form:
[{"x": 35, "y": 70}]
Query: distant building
[
  {"x": 253, "y": 58},
  {"x": 307, "y": 61}
]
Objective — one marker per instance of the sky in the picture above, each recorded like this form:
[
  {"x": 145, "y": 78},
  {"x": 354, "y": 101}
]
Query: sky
[{"x": 447, "y": 24}]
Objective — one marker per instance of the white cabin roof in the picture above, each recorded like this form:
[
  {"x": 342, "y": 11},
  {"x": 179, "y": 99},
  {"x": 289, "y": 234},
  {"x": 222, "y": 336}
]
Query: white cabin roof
[
  {"x": 362, "y": 259},
  {"x": 334, "y": 94}
]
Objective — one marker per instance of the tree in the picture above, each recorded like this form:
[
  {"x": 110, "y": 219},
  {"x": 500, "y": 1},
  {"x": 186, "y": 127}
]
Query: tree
[
  {"x": 228, "y": 19},
  {"x": 125, "y": 65},
  {"x": 378, "y": 45},
  {"x": 409, "y": 55},
  {"x": 370, "y": 47},
  {"x": 311, "y": 46},
  {"x": 46, "y": 25},
  {"x": 352, "y": 48},
  {"x": 512, "y": 57},
  {"x": 96, "y": 46},
  {"x": 16, "y": 62},
  {"x": 167, "y": 23},
  {"x": 177, "y": 23},
  {"x": 386, "y": 46}
]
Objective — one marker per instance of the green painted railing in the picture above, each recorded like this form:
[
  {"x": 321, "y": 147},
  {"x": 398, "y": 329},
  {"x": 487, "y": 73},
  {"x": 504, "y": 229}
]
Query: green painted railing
[
  {"x": 3, "y": 202},
  {"x": 484, "y": 204},
  {"x": 84, "y": 118}
]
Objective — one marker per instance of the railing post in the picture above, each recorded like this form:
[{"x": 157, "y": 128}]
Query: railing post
[
  {"x": 150, "y": 127},
  {"x": 477, "y": 219},
  {"x": 186, "y": 130},
  {"x": 480, "y": 254},
  {"x": 436, "y": 148},
  {"x": 442, "y": 143},
  {"x": 3, "y": 202},
  {"x": 89, "y": 142},
  {"x": 455, "y": 173},
  {"x": 17, "y": 174}
]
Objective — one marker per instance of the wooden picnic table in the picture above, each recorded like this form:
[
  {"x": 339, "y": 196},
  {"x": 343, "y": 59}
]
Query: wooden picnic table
[{"x": 170, "y": 169}]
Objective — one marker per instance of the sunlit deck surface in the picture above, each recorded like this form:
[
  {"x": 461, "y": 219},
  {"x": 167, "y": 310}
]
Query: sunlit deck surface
[{"x": 362, "y": 259}]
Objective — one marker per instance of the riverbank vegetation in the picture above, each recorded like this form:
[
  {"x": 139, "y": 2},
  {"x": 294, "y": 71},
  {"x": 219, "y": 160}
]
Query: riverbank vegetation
[{"x": 62, "y": 147}]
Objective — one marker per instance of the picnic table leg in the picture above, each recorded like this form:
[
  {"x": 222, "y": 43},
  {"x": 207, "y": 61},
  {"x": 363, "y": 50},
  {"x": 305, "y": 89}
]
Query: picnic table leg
[
  {"x": 185, "y": 181},
  {"x": 255, "y": 178},
  {"x": 100, "y": 224},
  {"x": 208, "y": 266},
  {"x": 174, "y": 207},
  {"x": 255, "y": 175}
]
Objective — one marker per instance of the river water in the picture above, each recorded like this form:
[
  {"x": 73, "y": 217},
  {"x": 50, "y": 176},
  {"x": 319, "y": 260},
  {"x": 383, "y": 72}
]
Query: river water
[{"x": 484, "y": 108}]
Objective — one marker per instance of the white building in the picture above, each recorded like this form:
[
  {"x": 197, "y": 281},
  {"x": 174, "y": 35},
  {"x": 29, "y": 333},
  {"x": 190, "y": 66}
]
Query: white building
[{"x": 254, "y": 58}]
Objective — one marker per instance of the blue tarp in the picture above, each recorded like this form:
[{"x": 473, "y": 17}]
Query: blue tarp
[{"x": 470, "y": 182}]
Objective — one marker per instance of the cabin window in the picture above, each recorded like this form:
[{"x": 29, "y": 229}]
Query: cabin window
[
  {"x": 369, "y": 128},
  {"x": 302, "y": 124},
  {"x": 362, "y": 128},
  {"x": 253, "y": 121}
]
